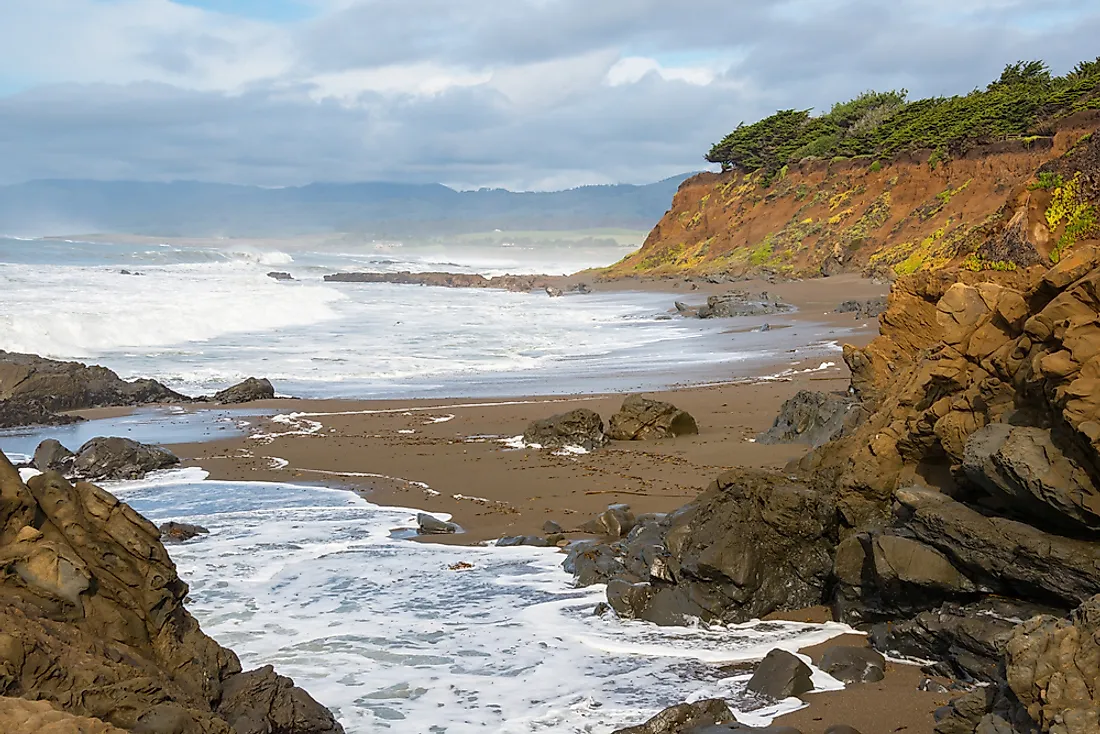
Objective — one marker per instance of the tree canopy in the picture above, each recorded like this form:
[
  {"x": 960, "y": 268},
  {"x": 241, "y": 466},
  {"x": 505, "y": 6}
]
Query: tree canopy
[{"x": 882, "y": 124}]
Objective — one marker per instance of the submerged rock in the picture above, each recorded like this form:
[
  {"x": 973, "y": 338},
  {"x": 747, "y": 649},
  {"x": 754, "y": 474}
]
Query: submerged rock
[
  {"x": 280, "y": 276},
  {"x": 180, "y": 532},
  {"x": 684, "y": 718},
  {"x": 869, "y": 309},
  {"x": 641, "y": 419},
  {"x": 582, "y": 428},
  {"x": 119, "y": 458},
  {"x": 428, "y": 525}
]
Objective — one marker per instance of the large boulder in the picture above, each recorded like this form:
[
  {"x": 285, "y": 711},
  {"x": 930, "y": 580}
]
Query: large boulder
[
  {"x": 1021, "y": 467},
  {"x": 246, "y": 392},
  {"x": 263, "y": 702},
  {"x": 811, "y": 417},
  {"x": 119, "y": 458},
  {"x": 854, "y": 664},
  {"x": 752, "y": 544},
  {"x": 92, "y": 620},
  {"x": 641, "y": 419},
  {"x": 580, "y": 428},
  {"x": 180, "y": 532},
  {"x": 781, "y": 675}
]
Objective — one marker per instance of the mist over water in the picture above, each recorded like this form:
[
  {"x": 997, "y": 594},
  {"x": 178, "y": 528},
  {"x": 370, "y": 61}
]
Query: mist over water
[{"x": 202, "y": 317}]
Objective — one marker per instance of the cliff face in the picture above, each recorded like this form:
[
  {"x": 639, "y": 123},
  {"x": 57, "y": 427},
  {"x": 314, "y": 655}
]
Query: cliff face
[
  {"x": 92, "y": 622},
  {"x": 856, "y": 215}
]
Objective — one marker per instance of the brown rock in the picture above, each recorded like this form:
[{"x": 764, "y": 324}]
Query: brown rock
[
  {"x": 582, "y": 428},
  {"x": 246, "y": 392},
  {"x": 641, "y": 419},
  {"x": 92, "y": 617},
  {"x": 684, "y": 717}
]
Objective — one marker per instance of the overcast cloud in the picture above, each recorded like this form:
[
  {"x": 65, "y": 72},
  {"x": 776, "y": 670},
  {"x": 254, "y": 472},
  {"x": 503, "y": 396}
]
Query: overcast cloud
[{"x": 527, "y": 94}]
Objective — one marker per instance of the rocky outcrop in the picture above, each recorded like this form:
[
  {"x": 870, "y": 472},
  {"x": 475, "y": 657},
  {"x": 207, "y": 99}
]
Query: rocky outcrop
[
  {"x": 745, "y": 548},
  {"x": 854, "y": 664},
  {"x": 92, "y": 621},
  {"x": 961, "y": 504},
  {"x": 429, "y": 525},
  {"x": 814, "y": 418},
  {"x": 52, "y": 456},
  {"x": 245, "y": 392},
  {"x": 641, "y": 419},
  {"x": 1053, "y": 668},
  {"x": 119, "y": 458},
  {"x": 33, "y": 389},
  {"x": 581, "y": 428},
  {"x": 279, "y": 275},
  {"x": 515, "y": 283}
]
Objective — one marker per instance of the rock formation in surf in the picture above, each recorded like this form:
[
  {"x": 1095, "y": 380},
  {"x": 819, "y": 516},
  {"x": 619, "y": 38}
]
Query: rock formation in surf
[{"x": 94, "y": 634}]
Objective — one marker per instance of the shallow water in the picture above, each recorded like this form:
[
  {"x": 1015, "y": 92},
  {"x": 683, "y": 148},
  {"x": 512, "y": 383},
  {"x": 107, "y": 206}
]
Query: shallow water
[
  {"x": 392, "y": 636},
  {"x": 147, "y": 425},
  {"x": 201, "y": 318}
]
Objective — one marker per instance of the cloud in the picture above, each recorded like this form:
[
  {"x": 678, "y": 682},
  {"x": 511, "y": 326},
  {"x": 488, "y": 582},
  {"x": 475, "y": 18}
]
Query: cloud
[{"x": 520, "y": 93}]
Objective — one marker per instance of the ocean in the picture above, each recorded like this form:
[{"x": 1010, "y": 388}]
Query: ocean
[{"x": 200, "y": 318}]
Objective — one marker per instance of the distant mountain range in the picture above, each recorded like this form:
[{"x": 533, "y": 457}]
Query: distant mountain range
[{"x": 186, "y": 208}]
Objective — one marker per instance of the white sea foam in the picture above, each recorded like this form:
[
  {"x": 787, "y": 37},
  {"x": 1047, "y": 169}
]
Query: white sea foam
[
  {"x": 200, "y": 318},
  {"x": 388, "y": 635}
]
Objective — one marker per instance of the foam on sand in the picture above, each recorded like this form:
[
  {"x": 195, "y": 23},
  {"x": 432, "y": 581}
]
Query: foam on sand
[{"x": 389, "y": 635}]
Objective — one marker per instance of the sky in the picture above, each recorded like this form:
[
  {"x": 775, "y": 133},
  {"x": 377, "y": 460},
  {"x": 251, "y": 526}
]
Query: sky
[{"x": 522, "y": 94}]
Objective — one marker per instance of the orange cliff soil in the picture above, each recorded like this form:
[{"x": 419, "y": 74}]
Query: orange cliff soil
[{"x": 855, "y": 215}]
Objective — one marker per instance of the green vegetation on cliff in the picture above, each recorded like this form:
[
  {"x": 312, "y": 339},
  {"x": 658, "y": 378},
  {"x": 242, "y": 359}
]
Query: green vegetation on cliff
[{"x": 881, "y": 125}]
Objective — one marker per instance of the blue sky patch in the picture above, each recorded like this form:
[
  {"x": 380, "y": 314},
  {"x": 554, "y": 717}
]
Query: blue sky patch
[{"x": 273, "y": 10}]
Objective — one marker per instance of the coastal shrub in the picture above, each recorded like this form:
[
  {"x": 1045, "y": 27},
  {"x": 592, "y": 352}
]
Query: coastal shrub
[
  {"x": 1046, "y": 181},
  {"x": 876, "y": 167},
  {"x": 1069, "y": 207},
  {"x": 1021, "y": 103}
]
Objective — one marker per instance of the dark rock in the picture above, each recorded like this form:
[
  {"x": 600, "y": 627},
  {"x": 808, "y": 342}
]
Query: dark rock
[
  {"x": 582, "y": 428},
  {"x": 180, "y": 532},
  {"x": 930, "y": 686},
  {"x": 963, "y": 714},
  {"x": 38, "y": 385},
  {"x": 518, "y": 540},
  {"x": 52, "y": 456},
  {"x": 684, "y": 718},
  {"x": 812, "y": 417},
  {"x": 553, "y": 292},
  {"x": 1009, "y": 557},
  {"x": 515, "y": 283},
  {"x": 582, "y": 288},
  {"x": 119, "y": 458},
  {"x": 841, "y": 729},
  {"x": 263, "y": 702},
  {"x": 591, "y": 563},
  {"x": 428, "y": 525},
  {"x": 246, "y": 392},
  {"x": 1021, "y": 466},
  {"x": 968, "y": 641},
  {"x": 15, "y": 413},
  {"x": 552, "y": 528},
  {"x": 854, "y": 664},
  {"x": 739, "y": 304},
  {"x": 781, "y": 675},
  {"x": 614, "y": 522},
  {"x": 641, "y": 419},
  {"x": 869, "y": 309},
  {"x": 280, "y": 276}
]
